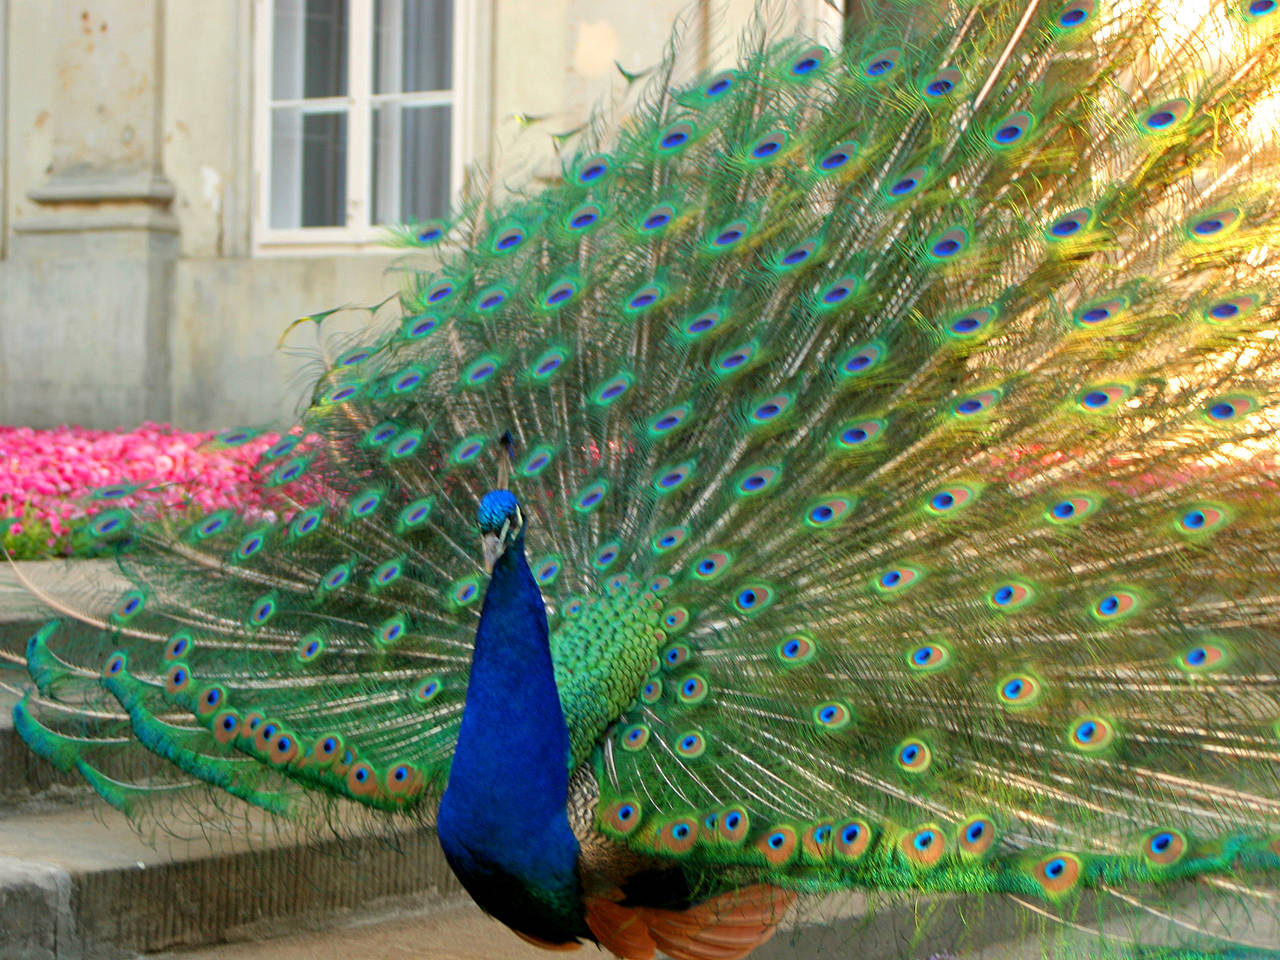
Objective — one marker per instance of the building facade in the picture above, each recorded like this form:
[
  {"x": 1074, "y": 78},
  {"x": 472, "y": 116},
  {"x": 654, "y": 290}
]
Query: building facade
[{"x": 182, "y": 179}]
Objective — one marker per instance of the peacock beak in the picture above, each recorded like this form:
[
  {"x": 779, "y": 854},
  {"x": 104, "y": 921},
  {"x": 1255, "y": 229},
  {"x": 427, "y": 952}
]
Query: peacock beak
[{"x": 492, "y": 545}]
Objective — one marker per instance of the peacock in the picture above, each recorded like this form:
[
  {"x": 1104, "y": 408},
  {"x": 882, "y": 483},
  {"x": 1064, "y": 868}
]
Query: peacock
[{"x": 854, "y": 470}]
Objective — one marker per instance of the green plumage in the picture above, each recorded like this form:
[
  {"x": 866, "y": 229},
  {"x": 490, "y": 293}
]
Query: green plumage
[{"x": 895, "y": 426}]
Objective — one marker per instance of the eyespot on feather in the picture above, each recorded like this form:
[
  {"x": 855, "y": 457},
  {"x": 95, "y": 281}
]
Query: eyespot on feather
[
  {"x": 691, "y": 744},
  {"x": 427, "y": 689},
  {"x": 284, "y": 749},
  {"x": 827, "y": 512},
  {"x": 129, "y": 606},
  {"x": 657, "y": 218},
  {"x": 754, "y": 598},
  {"x": 720, "y": 84},
  {"x": 604, "y": 394},
  {"x": 1229, "y": 408},
  {"x": 177, "y": 679},
  {"x": 928, "y": 658},
  {"x": 1011, "y": 131},
  {"x": 778, "y": 845},
  {"x": 1100, "y": 311},
  {"x": 941, "y": 84},
  {"x": 861, "y": 360},
  {"x": 972, "y": 323},
  {"x": 837, "y": 157},
  {"x": 807, "y": 64},
  {"x": 913, "y": 756},
  {"x": 1163, "y": 848},
  {"x": 693, "y": 690},
  {"x": 1106, "y": 397},
  {"x": 622, "y": 817},
  {"x": 857, "y": 435},
  {"x": 977, "y": 403},
  {"x": 362, "y": 780},
  {"x": 950, "y": 500},
  {"x": 796, "y": 649},
  {"x": 832, "y": 715},
  {"x": 896, "y": 580},
  {"x": 671, "y": 477},
  {"x": 976, "y": 836},
  {"x": 675, "y": 620},
  {"x": 732, "y": 825},
  {"x": 815, "y": 842},
  {"x": 594, "y": 168},
  {"x": 755, "y": 480},
  {"x": 1201, "y": 519},
  {"x": 1213, "y": 226},
  {"x": 1164, "y": 117},
  {"x": 508, "y": 238},
  {"x": 1058, "y": 873},
  {"x": 675, "y": 138},
  {"x": 1011, "y": 596},
  {"x": 1230, "y": 309},
  {"x": 768, "y": 148},
  {"x": 1091, "y": 734},
  {"x": 401, "y": 778},
  {"x": 851, "y": 839},
  {"x": 635, "y": 737},
  {"x": 327, "y": 749},
  {"x": 1069, "y": 226},
  {"x": 905, "y": 184},
  {"x": 1018, "y": 691},
  {"x": 1206, "y": 656},
  {"x": 1116, "y": 605},
  {"x": 209, "y": 700},
  {"x": 924, "y": 846},
  {"x": 1072, "y": 508},
  {"x": 838, "y": 292},
  {"x": 677, "y": 836},
  {"x": 225, "y": 726},
  {"x": 882, "y": 64},
  {"x": 180, "y": 642},
  {"x": 264, "y": 735},
  {"x": 711, "y": 566}
]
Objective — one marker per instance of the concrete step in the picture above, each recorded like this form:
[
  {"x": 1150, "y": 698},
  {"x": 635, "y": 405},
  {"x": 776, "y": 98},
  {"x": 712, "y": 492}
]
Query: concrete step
[
  {"x": 81, "y": 883},
  {"x": 89, "y": 585},
  {"x": 92, "y": 585},
  {"x": 461, "y": 932},
  {"x": 455, "y": 931}
]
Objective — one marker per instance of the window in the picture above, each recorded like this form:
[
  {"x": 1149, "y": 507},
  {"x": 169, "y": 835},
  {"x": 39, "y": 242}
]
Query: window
[{"x": 361, "y": 112}]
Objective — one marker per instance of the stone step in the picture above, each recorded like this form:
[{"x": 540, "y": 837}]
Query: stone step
[
  {"x": 461, "y": 931},
  {"x": 90, "y": 585},
  {"x": 81, "y": 883}
]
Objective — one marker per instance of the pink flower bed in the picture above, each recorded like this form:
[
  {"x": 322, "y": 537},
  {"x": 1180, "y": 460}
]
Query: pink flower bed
[{"x": 47, "y": 477}]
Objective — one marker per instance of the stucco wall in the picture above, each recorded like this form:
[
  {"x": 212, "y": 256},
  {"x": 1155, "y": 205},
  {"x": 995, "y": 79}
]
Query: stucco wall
[{"x": 160, "y": 93}]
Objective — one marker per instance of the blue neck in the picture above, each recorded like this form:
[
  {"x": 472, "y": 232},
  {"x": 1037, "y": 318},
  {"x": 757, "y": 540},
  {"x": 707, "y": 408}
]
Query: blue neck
[{"x": 503, "y": 822}]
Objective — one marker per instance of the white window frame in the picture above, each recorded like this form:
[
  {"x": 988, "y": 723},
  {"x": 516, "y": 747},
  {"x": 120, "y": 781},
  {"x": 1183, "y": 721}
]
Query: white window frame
[{"x": 472, "y": 33}]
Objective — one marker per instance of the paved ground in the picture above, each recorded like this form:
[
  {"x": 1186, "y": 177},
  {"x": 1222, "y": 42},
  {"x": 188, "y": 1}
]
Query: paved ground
[{"x": 458, "y": 932}]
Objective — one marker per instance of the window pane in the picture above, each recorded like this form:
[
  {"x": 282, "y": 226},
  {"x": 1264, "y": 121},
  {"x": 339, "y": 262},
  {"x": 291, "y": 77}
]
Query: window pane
[
  {"x": 308, "y": 168},
  {"x": 309, "y": 49},
  {"x": 412, "y": 46},
  {"x": 411, "y": 158}
]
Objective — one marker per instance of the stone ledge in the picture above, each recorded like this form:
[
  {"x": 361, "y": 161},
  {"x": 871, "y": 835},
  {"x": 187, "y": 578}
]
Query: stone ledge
[
  {"x": 95, "y": 219},
  {"x": 85, "y": 886},
  {"x": 142, "y": 188}
]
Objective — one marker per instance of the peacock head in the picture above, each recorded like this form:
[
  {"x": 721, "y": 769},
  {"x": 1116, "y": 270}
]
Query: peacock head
[{"x": 500, "y": 522}]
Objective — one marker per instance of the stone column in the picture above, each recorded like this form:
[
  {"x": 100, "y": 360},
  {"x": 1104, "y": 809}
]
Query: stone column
[{"x": 87, "y": 292}]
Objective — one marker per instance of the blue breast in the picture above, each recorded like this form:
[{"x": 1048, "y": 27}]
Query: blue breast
[{"x": 503, "y": 823}]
